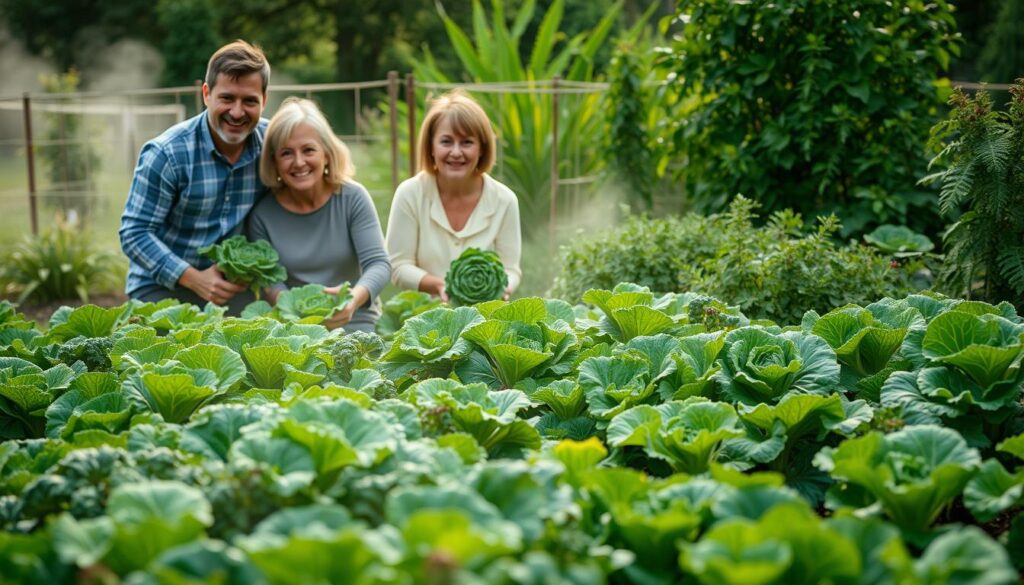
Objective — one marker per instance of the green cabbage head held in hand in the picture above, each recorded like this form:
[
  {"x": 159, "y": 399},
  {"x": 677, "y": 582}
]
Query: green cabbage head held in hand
[
  {"x": 475, "y": 276},
  {"x": 242, "y": 261}
]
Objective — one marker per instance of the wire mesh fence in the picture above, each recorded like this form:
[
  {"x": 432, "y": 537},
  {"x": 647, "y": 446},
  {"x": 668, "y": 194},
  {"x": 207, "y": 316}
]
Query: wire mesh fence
[{"x": 73, "y": 154}]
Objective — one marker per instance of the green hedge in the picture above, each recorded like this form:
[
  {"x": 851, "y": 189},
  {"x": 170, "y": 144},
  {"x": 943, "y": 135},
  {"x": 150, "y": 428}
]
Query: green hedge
[{"x": 772, "y": 272}]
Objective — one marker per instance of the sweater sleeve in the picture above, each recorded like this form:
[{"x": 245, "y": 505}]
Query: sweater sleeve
[
  {"x": 368, "y": 241},
  {"x": 402, "y": 238}
]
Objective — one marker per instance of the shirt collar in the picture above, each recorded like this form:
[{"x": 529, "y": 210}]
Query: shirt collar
[
  {"x": 479, "y": 219},
  {"x": 253, "y": 143}
]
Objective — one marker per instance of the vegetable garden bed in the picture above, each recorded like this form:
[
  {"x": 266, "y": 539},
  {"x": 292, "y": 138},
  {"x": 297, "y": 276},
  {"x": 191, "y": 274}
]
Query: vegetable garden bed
[{"x": 640, "y": 438}]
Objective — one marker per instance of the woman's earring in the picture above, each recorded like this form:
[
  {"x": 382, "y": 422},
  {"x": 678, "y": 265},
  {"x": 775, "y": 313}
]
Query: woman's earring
[
  {"x": 279, "y": 179},
  {"x": 327, "y": 171}
]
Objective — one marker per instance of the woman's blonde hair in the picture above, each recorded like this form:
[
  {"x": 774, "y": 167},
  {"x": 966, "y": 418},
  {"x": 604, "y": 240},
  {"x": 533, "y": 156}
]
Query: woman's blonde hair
[
  {"x": 293, "y": 112},
  {"x": 467, "y": 118}
]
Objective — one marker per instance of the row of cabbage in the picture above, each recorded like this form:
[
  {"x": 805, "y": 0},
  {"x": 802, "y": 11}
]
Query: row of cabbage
[{"x": 637, "y": 439}]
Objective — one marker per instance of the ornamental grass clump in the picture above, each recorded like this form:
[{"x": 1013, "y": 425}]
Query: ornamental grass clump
[
  {"x": 475, "y": 276},
  {"x": 242, "y": 261}
]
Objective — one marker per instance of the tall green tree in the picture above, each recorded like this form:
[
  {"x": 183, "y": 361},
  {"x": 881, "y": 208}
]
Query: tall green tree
[
  {"x": 1002, "y": 59},
  {"x": 69, "y": 31},
  {"x": 812, "y": 106},
  {"x": 192, "y": 36}
]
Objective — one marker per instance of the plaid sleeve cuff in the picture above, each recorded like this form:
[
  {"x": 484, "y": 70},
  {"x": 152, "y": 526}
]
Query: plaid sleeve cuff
[{"x": 169, "y": 271}]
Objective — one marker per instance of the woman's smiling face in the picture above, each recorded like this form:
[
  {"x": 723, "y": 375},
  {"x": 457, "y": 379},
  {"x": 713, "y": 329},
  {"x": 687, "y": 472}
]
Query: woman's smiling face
[
  {"x": 456, "y": 155},
  {"x": 301, "y": 159}
]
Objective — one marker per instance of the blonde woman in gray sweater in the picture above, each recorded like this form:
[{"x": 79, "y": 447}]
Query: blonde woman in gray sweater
[{"x": 321, "y": 222}]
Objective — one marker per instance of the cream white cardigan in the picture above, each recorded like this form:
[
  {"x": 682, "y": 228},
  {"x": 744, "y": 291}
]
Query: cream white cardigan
[{"x": 420, "y": 240}]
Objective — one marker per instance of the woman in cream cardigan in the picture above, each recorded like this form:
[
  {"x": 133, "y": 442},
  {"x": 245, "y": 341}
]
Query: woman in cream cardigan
[{"x": 452, "y": 203}]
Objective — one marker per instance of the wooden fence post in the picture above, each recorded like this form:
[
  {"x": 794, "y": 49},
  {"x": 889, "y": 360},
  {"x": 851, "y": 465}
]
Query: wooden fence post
[
  {"x": 31, "y": 158},
  {"x": 393, "y": 125},
  {"x": 410, "y": 102}
]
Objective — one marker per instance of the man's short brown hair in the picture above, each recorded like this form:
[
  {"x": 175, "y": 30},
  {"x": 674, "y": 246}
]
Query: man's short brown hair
[{"x": 236, "y": 60}]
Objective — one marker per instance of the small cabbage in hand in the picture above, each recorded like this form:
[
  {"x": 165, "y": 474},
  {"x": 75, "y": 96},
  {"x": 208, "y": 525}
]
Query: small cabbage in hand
[
  {"x": 311, "y": 301},
  {"x": 242, "y": 261},
  {"x": 475, "y": 276}
]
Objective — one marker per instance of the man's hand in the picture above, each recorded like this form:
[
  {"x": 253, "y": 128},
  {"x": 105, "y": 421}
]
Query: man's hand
[{"x": 209, "y": 284}]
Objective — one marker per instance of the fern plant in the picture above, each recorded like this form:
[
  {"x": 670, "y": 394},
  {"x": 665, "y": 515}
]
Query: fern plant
[{"x": 983, "y": 191}]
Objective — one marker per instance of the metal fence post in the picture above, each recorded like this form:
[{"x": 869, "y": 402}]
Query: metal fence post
[
  {"x": 410, "y": 102},
  {"x": 553, "y": 212},
  {"x": 393, "y": 125},
  {"x": 30, "y": 157}
]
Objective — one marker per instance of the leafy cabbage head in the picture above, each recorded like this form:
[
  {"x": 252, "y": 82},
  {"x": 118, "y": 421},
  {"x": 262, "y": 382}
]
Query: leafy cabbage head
[
  {"x": 243, "y": 261},
  {"x": 865, "y": 339},
  {"x": 899, "y": 241},
  {"x": 761, "y": 366},
  {"x": 914, "y": 473},
  {"x": 475, "y": 276},
  {"x": 311, "y": 301},
  {"x": 987, "y": 347},
  {"x": 436, "y": 334}
]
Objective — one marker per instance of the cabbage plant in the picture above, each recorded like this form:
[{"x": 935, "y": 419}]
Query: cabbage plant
[
  {"x": 490, "y": 416},
  {"x": 429, "y": 345},
  {"x": 687, "y": 434},
  {"x": 475, "y": 276},
  {"x": 899, "y": 241},
  {"x": 914, "y": 473},
  {"x": 987, "y": 347},
  {"x": 301, "y": 303},
  {"x": 628, "y": 312},
  {"x": 518, "y": 340},
  {"x": 759, "y": 366},
  {"x": 252, "y": 263}
]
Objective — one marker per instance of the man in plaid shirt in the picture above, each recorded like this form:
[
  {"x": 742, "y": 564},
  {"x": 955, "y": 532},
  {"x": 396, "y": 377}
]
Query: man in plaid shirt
[{"x": 195, "y": 183}]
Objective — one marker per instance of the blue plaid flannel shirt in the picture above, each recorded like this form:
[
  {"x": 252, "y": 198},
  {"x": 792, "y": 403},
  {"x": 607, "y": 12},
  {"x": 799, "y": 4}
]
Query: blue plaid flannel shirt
[{"x": 185, "y": 195}]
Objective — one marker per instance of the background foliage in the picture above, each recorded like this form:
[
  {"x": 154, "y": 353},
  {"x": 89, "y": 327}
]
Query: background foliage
[
  {"x": 66, "y": 153},
  {"x": 809, "y": 106},
  {"x": 491, "y": 52},
  {"x": 772, "y": 272},
  {"x": 61, "y": 263}
]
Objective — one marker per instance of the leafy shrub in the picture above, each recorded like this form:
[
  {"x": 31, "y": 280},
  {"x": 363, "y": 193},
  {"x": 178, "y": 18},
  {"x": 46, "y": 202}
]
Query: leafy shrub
[
  {"x": 983, "y": 189},
  {"x": 771, "y": 272},
  {"x": 61, "y": 263},
  {"x": 475, "y": 276},
  {"x": 242, "y": 261},
  {"x": 810, "y": 106},
  {"x": 656, "y": 253}
]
